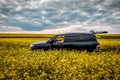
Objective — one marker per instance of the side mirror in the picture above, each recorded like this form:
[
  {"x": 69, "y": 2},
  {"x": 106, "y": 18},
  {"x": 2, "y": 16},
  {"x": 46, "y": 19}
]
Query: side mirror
[{"x": 51, "y": 41}]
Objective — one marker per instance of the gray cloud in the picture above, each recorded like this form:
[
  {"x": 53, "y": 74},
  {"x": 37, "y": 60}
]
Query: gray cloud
[
  {"x": 10, "y": 29},
  {"x": 113, "y": 5},
  {"x": 43, "y": 14}
]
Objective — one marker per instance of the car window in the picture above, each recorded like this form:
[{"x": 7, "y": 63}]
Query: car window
[
  {"x": 72, "y": 38},
  {"x": 87, "y": 37},
  {"x": 79, "y": 37},
  {"x": 59, "y": 39}
]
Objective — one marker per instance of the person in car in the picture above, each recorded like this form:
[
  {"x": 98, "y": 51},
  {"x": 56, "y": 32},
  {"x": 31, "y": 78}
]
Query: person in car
[{"x": 61, "y": 40}]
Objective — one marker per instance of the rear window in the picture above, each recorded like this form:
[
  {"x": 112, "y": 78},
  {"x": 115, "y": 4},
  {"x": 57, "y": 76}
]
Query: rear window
[{"x": 87, "y": 37}]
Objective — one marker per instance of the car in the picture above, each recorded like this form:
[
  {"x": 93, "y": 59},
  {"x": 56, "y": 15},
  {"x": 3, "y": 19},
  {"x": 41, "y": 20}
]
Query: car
[{"x": 77, "y": 41}]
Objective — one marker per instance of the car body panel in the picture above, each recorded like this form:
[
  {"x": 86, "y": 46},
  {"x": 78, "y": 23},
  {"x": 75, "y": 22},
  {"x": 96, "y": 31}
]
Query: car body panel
[{"x": 71, "y": 40}]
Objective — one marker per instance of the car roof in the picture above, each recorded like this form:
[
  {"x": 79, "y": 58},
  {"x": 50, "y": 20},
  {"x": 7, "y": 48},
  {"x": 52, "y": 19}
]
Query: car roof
[{"x": 72, "y": 34}]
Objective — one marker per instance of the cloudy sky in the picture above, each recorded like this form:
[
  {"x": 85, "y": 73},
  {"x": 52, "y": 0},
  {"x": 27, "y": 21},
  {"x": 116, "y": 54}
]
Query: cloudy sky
[{"x": 59, "y": 16}]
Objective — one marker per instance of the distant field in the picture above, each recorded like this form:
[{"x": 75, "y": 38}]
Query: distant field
[
  {"x": 108, "y": 36},
  {"x": 99, "y": 36},
  {"x": 25, "y": 35},
  {"x": 17, "y": 61}
]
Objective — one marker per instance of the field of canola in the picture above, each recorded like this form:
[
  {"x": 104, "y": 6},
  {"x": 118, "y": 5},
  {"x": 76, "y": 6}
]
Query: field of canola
[{"x": 18, "y": 62}]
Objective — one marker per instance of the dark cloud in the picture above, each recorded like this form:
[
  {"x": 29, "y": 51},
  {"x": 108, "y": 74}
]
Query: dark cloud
[
  {"x": 41, "y": 14},
  {"x": 114, "y": 5}
]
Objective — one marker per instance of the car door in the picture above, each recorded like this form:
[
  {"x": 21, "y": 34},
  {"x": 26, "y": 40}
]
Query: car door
[
  {"x": 71, "y": 41},
  {"x": 58, "y": 42}
]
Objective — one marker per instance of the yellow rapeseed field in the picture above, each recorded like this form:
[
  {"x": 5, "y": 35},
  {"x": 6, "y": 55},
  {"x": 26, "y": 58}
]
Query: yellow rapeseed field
[{"x": 18, "y": 62}]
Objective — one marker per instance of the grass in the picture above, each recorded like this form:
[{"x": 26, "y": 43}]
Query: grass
[{"x": 17, "y": 61}]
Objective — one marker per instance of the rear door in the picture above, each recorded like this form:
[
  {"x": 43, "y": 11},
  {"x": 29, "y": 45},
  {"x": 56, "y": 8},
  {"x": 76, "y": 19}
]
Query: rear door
[{"x": 71, "y": 40}]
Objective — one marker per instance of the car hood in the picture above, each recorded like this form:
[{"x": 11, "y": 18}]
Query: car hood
[{"x": 36, "y": 43}]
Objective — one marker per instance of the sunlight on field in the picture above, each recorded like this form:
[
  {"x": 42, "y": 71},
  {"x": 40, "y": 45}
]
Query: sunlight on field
[
  {"x": 17, "y": 61},
  {"x": 25, "y": 35}
]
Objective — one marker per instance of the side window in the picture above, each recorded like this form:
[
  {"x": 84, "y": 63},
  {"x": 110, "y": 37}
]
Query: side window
[
  {"x": 72, "y": 38},
  {"x": 86, "y": 37},
  {"x": 59, "y": 39}
]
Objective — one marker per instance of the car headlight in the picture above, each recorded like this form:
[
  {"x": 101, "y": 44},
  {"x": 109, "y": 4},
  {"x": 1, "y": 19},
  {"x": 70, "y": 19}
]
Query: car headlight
[{"x": 32, "y": 45}]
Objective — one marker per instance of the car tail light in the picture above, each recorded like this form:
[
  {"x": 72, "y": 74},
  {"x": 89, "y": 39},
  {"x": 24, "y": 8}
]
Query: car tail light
[{"x": 98, "y": 44}]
